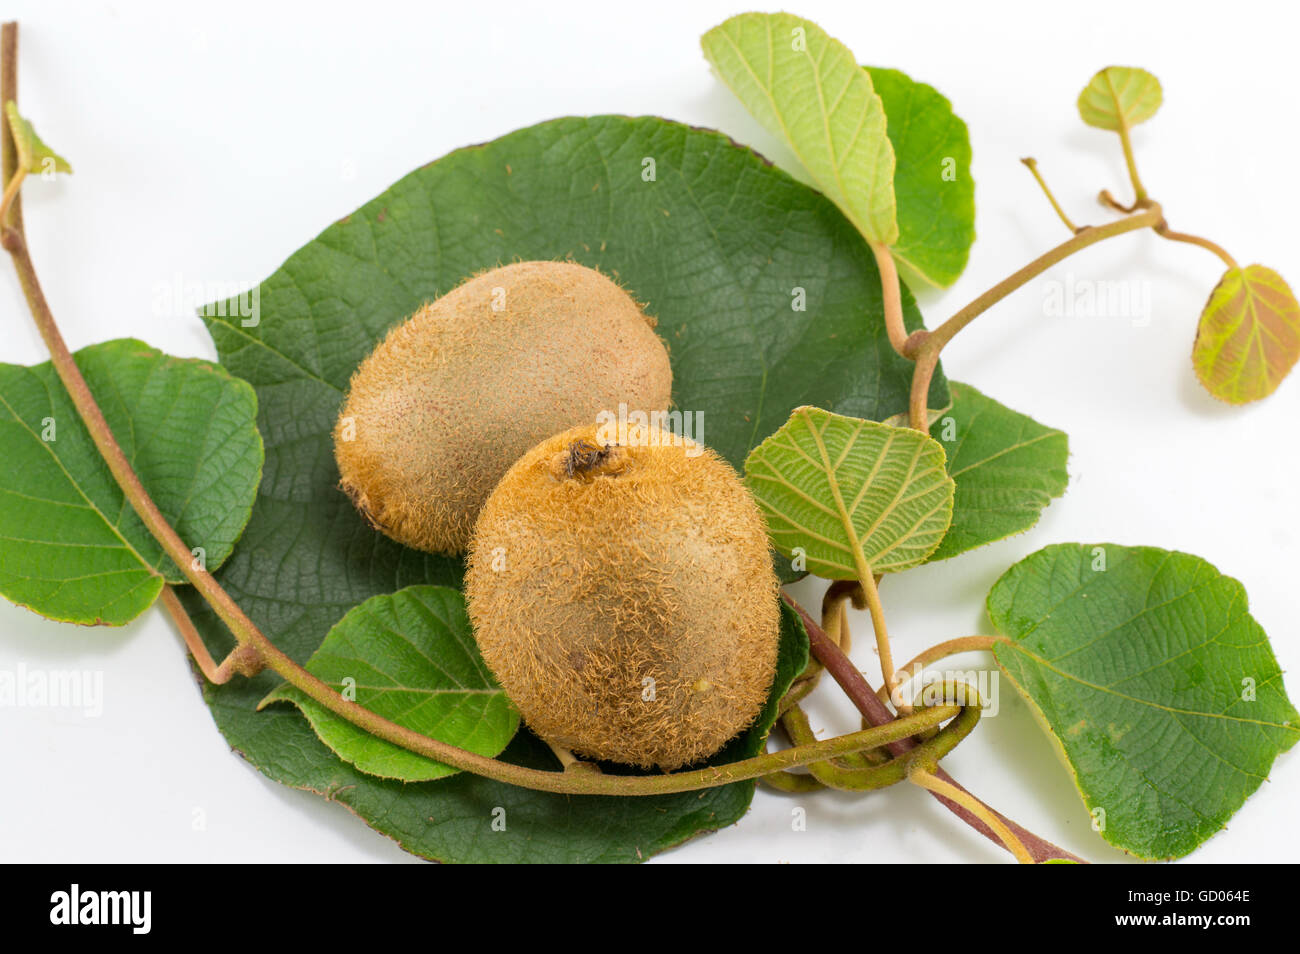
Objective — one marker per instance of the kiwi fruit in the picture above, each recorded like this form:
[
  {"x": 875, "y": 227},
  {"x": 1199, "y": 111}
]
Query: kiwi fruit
[
  {"x": 624, "y": 597},
  {"x": 455, "y": 394}
]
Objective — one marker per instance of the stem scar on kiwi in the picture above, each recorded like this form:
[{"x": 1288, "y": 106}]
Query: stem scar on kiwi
[
  {"x": 634, "y": 617},
  {"x": 451, "y": 397},
  {"x": 585, "y": 456}
]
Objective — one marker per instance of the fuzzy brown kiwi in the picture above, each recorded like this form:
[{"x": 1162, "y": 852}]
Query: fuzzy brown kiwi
[
  {"x": 452, "y": 396},
  {"x": 599, "y": 572}
]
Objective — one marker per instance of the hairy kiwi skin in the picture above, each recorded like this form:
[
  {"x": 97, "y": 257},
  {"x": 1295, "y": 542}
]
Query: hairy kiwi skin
[
  {"x": 594, "y": 568},
  {"x": 452, "y": 396}
]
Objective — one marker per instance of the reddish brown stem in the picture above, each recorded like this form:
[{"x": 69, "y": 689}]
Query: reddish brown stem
[
  {"x": 242, "y": 661},
  {"x": 874, "y": 711}
]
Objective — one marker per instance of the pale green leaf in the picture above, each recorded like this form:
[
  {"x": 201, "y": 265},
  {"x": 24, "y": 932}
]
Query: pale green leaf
[
  {"x": 1248, "y": 338},
  {"x": 1159, "y": 687},
  {"x": 71, "y": 547},
  {"x": 1119, "y": 97},
  {"x": 1007, "y": 466},
  {"x": 855, "y": 496},
  {"x": 807, "y": 88},
  {"x": 411, "y": 658},
  {"x": 932, "y": 179}
]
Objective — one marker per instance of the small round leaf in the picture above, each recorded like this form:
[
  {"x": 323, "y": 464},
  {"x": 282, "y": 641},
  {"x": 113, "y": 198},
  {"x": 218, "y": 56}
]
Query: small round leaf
[
  {"x": 1248, "y": 338},
  {"x": 1120, "y": 97}
]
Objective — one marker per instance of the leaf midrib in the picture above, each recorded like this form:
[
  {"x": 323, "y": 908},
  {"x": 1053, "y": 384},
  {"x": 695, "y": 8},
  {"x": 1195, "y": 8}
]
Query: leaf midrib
[{"x": 1047, "y": 664}]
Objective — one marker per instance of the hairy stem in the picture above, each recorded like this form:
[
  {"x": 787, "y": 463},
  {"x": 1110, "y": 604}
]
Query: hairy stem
[
  {"x": 859, "y": 778},
  {"x": 892, "y": 297},
  {"x": 951, "y": 647},
  {"x": 874, "y": 711},
  {"x": 242, "y": 660},
  {"x": 1108, "y": 200},
  {"x": 865, "y": 777},
  {"x": 791, "y": 783},
  {"x": 1126, "y": 143},
  {"x": 920, "y": 776},
  {"x": 1032, "y": 165},
  {"x": 926, "y": 348},
  {"x": 1164, "y": 231},
  {"x": 833, "y": 608},
  {"x": 877, "y": 611}
]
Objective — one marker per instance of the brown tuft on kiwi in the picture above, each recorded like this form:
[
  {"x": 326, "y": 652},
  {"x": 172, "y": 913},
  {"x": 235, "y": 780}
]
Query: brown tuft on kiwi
[
  {"x": 624, "y": 597},
  {"x": 453, "y": 395}
]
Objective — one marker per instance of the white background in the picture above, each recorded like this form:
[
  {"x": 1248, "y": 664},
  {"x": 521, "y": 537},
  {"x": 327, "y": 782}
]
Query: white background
[{"x": 211, "y": 142}]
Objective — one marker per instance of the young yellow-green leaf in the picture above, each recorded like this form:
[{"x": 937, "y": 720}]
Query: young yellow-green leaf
[
  {"x": 1007, "y": 466},
  {"x": 1159, "y": 687},
  {"x": 807, "y": 88},
  {"x": 71, "y": 547},
  {"x": 1119, "y": 97},
  {"x": 854, "y": 496},
  {"x": 33, "y": 154},
  {"x": 932, "y": 180},
  {"x": 411, "y": 657},
  {"x": 1248, "y": 338}
]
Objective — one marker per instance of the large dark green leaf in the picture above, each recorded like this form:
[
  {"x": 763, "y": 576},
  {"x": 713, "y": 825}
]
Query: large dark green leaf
[
  {"x": 71, "y": 547},
  {"x": 721, "y": 247},
  {"x": 718, "y": 244},
  {"x": 1007, "y": 466},
  {"x": 1158, "y": 685}
]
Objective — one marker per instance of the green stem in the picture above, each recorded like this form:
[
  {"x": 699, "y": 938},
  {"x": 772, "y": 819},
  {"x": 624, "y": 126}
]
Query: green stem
[
  {"x": 799, "y": 690},
  {"x": 920, "y": 776},
  {"x": 1032, "y": 165},
  {"x": 1126, "y": 143},
  {"x": 867, "y": 580},
  {"x": 858, "y": 778},
  {"x": 951, "y": 647},
  {"x": 791, "y": 783},
  {"x": 867, "y": 778},
  {"x": 875, "y": 712},
  {"x": 1108, "y": 200}
]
